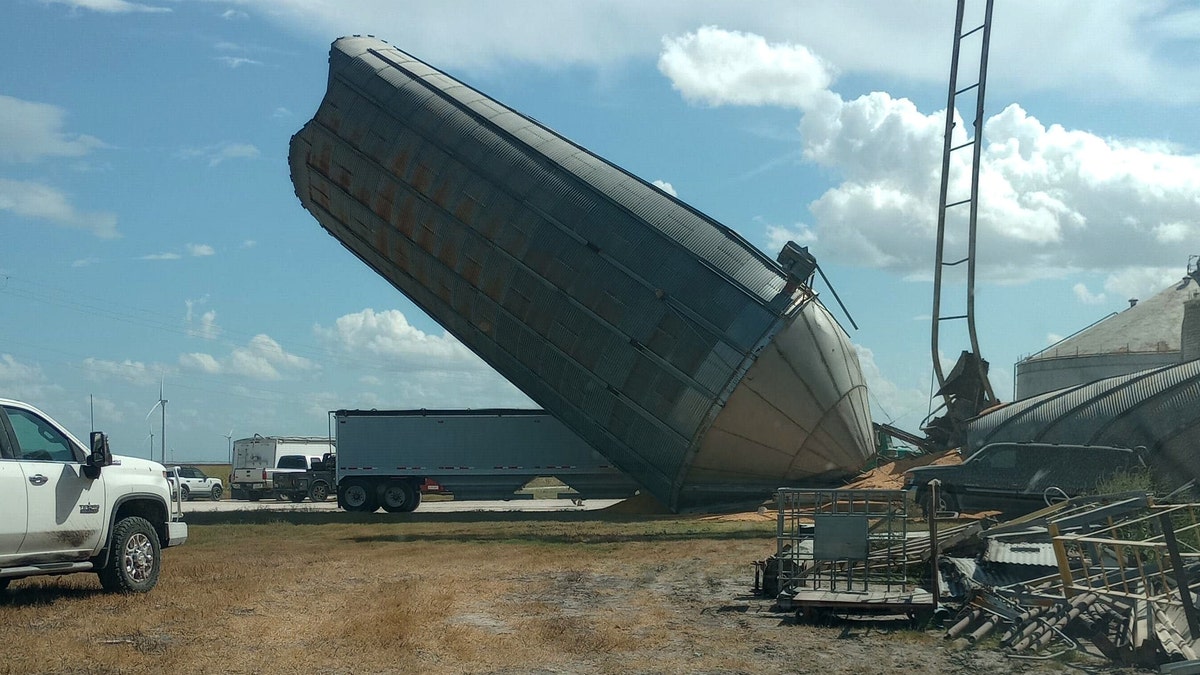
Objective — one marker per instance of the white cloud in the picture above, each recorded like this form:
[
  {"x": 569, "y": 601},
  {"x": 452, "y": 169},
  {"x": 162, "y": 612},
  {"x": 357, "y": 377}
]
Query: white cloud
[
  {"x": 231, "y": 14},
  {"x": 24, "y": 381},
  {"x": 1098, "y": 50},
  {"x": 216, "y": 154},
  {"x": 665, "y": 187},
  {"x": 234, "y": 62},
  {"x": 1086, "y": 296},
  {"x": 1053, "y": 200},
  {"x": 84, "y": 262},
  {"x": 717, "y": 67},
  {"x": 389, "y": 335},
  {"x": 202, "y": 325},
  {"x": 281, "y": 113},
  {"x": 249, "y": 243},
  {"x": 200, "y": 250},
  {"x": 161, "y": 256},
  {"x": 778, "y": 236},
  {"x": 135, "y": 372},
  {"x": 904, "y": 406},
  {"x": 262, "y": 359},
  {"x": 108, "y": 6},
  {"x": 42, "y": 202},
  {"x": 33, "y": 131}
]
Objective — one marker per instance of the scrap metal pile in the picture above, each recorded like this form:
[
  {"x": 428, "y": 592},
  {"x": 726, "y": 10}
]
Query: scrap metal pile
[{"x": 1113, "y": 575}]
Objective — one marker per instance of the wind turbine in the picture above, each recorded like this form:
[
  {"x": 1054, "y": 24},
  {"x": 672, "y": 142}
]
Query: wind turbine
[
  {"x": 229, "y": 443},
  {"x": 162, "y": 439}
]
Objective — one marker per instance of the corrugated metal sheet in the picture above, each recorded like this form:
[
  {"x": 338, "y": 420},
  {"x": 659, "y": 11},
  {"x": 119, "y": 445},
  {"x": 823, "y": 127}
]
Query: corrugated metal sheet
[
  {"x": 626, "y": 313},
  {"x": 1040, "y": 553},
  {"x": 1158, "y": 409}
]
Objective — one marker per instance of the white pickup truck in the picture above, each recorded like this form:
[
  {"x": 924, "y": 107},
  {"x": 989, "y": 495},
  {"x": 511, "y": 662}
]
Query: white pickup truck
[{"x": 66, "y": 507}]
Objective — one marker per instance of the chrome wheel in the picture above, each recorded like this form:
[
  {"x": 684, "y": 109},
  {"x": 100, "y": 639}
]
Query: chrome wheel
[{"x": 138, "y": 557}]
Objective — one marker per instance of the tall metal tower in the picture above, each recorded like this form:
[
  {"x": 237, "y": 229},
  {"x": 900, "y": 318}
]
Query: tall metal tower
[{"x": 966, "y": 390}]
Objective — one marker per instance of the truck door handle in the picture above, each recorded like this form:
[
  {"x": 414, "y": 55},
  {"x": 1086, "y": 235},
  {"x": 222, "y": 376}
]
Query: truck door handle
[{"x": 38, "y": 479}]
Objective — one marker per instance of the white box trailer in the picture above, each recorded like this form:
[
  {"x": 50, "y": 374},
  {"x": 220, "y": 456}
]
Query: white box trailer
[
  {"x": 255, "y": 460},
  {"x": 385, "y": 457}
]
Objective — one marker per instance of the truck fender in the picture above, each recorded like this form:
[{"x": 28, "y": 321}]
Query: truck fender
[{"x": 100, "y": 560}]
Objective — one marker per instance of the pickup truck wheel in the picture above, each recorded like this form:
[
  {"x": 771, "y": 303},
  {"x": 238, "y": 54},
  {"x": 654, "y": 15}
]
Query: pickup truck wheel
[
  {"x": 135, "y": 558},
  {"x": 399, "y": 496},
  {"x": 254, "y": 496},
  {"x": 185, "y": 493},
  {"x": 947, "y": 502},
  {"x": 319, "y": 492},
  {"x": 4, "y": 583},
  {"x": 359, "y": 497},
  {"x": 217, "y": 492}
]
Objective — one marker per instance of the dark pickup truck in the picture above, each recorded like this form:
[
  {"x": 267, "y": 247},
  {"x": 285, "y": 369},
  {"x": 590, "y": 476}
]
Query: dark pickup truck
[{"x": 316, "y": 483}]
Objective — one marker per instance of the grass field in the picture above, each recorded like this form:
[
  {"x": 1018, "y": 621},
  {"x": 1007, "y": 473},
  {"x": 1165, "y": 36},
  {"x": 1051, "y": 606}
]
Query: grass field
[{"x": 446, "y": 593}]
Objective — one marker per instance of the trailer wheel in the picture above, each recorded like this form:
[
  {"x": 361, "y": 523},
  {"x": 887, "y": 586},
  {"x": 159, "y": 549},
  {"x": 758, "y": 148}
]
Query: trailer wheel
[
  {"x": 400, "y": 496},
  {"x": 360, "y": 497},
  {"x": 319, "y": 492}
]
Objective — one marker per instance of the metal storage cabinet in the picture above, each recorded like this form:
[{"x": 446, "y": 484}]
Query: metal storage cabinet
[{"x": 627, "y": 314}]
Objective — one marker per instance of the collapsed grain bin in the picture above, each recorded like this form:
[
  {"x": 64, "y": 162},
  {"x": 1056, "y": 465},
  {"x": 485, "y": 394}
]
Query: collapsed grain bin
[
  {"x": 696, "y": 364},
  {"x": 1158, "y": 409}
]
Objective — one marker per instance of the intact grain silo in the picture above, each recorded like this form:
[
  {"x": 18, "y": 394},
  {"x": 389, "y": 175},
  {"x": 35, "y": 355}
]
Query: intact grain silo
[
  {"x": 699, "y": 366},
  {"x": 1145, "y": 335}
]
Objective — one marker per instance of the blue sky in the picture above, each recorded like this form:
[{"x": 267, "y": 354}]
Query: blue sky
[{"x": 149, "y": 230}]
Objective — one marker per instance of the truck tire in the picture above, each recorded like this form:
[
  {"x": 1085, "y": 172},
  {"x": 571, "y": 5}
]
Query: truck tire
[
  {"x": 135, "y": 557},
  {"x": 4, "y": 583},
  {"x": 217, "y": 492},
  {"x": 399, "y": 496},
  {"x": 296, "y": 497},
  {"x": 185, "y": 493},
  {"x": 319, "y": 492},
  {"x": 253, "y": 496},
  {"x": 359, "y": 496}
]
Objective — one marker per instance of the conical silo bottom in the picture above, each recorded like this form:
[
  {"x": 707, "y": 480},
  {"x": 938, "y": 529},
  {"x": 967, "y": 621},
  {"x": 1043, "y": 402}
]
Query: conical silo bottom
[{"x": 799, "y": 417}]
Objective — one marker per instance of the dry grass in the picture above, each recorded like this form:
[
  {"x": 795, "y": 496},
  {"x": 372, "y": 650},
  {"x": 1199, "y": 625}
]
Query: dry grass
[{"x": 446, "y": 593}]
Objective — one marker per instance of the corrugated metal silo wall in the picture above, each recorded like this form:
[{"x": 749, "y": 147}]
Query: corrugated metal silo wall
[
  {"x": 1158, "y": 409},
  {"x": 627, "y": 314}
]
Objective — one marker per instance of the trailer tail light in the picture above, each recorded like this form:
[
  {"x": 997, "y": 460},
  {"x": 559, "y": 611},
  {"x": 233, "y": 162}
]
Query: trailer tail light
[{"x": 264, "y": 474}]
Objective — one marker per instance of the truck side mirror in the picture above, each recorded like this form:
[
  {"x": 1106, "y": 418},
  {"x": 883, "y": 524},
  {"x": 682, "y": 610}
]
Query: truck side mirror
[{"x": 100, "y": 455}]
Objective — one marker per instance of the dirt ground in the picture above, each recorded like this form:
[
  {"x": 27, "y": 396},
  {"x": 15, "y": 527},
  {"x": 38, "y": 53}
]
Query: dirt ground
[{"x": 480, "y": 593}]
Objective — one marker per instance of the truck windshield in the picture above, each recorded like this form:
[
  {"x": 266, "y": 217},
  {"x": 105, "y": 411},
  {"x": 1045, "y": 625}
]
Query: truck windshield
[{"x": 292, "y": 462}]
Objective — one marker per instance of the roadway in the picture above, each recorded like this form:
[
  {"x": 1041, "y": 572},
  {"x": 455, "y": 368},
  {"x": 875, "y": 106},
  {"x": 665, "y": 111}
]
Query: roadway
[{"x": 451, "y": 506}]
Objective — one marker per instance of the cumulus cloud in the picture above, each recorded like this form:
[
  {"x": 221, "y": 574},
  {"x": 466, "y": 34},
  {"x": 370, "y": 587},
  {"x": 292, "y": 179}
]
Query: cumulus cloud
[
  {"x": 128, "y": 370},
  {"x": 42, "y": 202},
  {"x": 1053, "y": 200},
  {"x": 665, "y": 187},
  {"x": 389, "y": 335},
  {"x": 1098, "y": 50},
  {"x": 262, "y": 359},
  {"x": 108, "y": 6},
  {"x": 200, "y": 250},
  {"x": 34, "y": 131},
  {"x": 718, "y": 67},
  {"x": 200, "y": 324},
  {"x": 24, "y": 380},
  {"x": 221, "y": 152}
]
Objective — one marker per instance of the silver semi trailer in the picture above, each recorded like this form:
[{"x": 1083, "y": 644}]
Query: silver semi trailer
[{"x": 386, "y": 456}]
